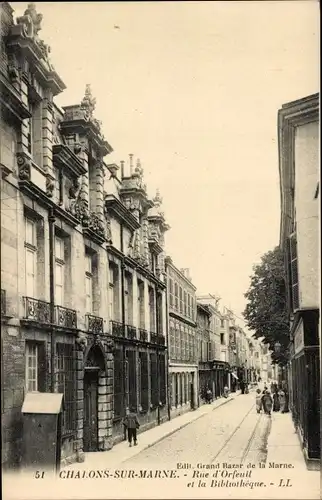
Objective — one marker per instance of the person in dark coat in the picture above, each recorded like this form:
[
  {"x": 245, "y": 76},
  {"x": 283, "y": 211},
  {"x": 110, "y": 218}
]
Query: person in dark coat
[
  {"x": 267, "y": 402},
  {"x": 131, "y": 424},
  {"x": 276, "y": 403},
  {"x": 242, "y": 386}
]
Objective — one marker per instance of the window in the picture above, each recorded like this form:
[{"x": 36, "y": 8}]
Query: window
[
  {"x": 293, "y": 271},
  {"x": 171, "y": 291},
  {"x": 154, "y": 379},
  {"x": 88, "y": 283},
  {"x": 118, "y": 407},
  {"x": 222, "y": 323},
  {"x": 222, "y": 339},
  {"x": 141, "y": 310},
  {"x": 30, "y": 128},
  {"x": 181, "y": 299},
  {"x": 185, "y": 304},
  {"x": 152, "y": 309},
  {"x": 59, "y": 271},
  {"x": 66, "y": 384},
  {"x": 31, "y": 367},
  {"x": 111, "y": 301},
  {"x": 36, "y": 370},
  {"x": 30, "y": 258},
  {"x": 176, "y": 296}
]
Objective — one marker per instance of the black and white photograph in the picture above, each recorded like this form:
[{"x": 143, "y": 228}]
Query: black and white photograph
[{"x": 160, "y": 250}]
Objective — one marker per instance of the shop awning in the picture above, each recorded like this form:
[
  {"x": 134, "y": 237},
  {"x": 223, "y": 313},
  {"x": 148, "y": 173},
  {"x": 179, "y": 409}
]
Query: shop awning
[{"x": 234, "y": 375}]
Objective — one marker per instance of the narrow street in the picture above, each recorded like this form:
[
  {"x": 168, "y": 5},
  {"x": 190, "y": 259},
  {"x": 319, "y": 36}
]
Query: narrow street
[{"x": 233, "y": 432}]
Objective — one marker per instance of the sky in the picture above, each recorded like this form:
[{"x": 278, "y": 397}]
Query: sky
[{"x": 193, "y": 90}]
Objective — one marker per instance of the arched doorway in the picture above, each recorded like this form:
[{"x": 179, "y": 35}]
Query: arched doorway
[{"x": 94, "y": 375}]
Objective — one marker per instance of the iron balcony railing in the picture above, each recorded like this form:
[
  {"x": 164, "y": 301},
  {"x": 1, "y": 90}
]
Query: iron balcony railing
[
  {"x": 143, "y": 335},
  {"x": 130, "y": 331},
  {"x": 94, "y": 324},
  {"x": 37, "y": 310},
  {"x": 117, "y": 328},
  {"x": 3, "y": 303},
  {"x": 157, "y": 338},
  {"x": 66, "y": 317}
]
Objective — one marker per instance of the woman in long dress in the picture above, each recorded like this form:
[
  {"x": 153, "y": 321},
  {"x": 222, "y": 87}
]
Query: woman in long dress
[
  {"x": 267, "y": 402},
  {"x": 276, "y": 402},
  {"x": 282, "y": 400}
]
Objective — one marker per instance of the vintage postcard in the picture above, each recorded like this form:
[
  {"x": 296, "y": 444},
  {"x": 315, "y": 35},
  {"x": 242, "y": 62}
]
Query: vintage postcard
[{"x": 160, "y": 250}]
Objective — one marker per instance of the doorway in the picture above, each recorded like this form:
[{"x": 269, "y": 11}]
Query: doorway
[{"x": 90, "y": 432}]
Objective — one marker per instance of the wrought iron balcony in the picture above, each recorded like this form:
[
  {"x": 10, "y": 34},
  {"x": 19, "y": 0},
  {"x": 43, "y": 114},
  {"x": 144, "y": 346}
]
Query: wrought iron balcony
[
  {"x": 3, "y": 303},
  {"x": 94, "y": 324},
  {"x": 157, "y": 338},
  {"x": 117, "y": 329},
  {"x": 143, "y": 335},
  {"x": 36, "y": 310},
  {"x": 130, "y": 331},
  {"x": 66, "y": 317}
]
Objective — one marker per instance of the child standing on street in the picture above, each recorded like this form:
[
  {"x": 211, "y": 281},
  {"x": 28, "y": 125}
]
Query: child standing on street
[
  {"x": 132, "y": 424},
  {"x": 258, "y": 400}
]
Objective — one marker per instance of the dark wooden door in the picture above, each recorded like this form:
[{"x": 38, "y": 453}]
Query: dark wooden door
[{"x": 90, "y": 431}]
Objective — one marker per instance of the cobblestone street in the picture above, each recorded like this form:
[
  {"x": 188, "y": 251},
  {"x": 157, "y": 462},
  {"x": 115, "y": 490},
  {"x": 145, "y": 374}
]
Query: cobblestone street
[{"x": 232, "y": 432}]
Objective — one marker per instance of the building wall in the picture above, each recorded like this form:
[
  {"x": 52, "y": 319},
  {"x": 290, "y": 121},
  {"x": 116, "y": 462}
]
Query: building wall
[
  {"x": 52, "y": 172},
  {"x": 307, "y": 212}
]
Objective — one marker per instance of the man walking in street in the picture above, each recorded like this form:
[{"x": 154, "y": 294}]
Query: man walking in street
[{"x": 131, "y": 423}]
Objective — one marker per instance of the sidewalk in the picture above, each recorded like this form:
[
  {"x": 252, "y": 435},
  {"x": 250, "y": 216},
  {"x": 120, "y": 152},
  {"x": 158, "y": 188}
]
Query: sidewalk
[
  {"x": 122, "y": 452},
  {"x": 284, "y": 446}
]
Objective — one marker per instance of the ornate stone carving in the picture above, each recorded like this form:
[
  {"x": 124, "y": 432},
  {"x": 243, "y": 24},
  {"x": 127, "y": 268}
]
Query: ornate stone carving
[
  {"x": 30, "y": 21},
  {"x": 110, "y": 344},
  {"x": 81, "y": 341},
  {"x": 24, "y": 167},
  {"x": 79, "y": 206},
  {"x": 96, "y": 224},
  {"x": 109, "y": 238},
  {"x": 13, "y": 70},
  {"x": 50, "y": 186},
  {"x": 74, "y": 189}
]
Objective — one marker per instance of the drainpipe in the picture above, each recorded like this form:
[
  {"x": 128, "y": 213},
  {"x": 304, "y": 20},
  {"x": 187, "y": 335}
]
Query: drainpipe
[
  {"x": 168, "y": 345},
  {"x": 123, "y": 323},
  {"x": 51, "y": 221}
]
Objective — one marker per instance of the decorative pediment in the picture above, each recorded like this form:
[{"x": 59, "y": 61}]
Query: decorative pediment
[{"x": 80, "y": 118}]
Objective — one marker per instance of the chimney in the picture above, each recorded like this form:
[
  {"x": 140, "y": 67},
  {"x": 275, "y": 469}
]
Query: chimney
[
  {"x": 131, "y": 164},
  {"x": 122, "y": 169}
]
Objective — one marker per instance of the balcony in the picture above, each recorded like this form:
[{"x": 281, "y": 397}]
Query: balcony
[
  {"x": 143, "y": 335},
  {"x": 36, "y": 310},
  {"x": 130, "y": 332},
  {"x": 3, "y": 303},
  {"x": 117, "y": 329},
  {"x": 157, "y": 338},
  {"x": 65, "y": 317},
  {"x": 94, "y": 324}
]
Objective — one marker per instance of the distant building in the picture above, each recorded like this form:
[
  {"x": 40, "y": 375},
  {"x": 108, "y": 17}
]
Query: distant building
[
  {"x": 182, "y": 348},
  {"x": 205, "y": 363},
  {"x": 220, "y": 368},
  {"x": 298, "y": 131}
]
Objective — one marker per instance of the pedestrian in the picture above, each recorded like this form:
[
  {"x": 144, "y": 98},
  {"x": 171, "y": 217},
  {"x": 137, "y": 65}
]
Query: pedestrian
[
  {"x": 282, "y": 400},
  {"x": 242, "y": 386},
  {"x": 267, "y": 402},
  {"x": 258, "y": 400},
  {"x": 276, "y": 401},
  {"x": 209, "y": 395},
  {"x": 226, "y": 391},
  {"x": 131, "y": 424}
]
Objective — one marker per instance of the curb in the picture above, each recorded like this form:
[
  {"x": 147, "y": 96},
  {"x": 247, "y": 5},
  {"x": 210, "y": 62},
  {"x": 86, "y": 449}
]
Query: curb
[{"x": 168, "y": 434}]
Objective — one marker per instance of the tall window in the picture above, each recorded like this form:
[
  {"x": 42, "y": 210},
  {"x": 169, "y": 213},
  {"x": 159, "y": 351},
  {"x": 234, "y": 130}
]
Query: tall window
[
  {"x": 152, "y": 309},
  {"x": 171, "y": 290},
  {"x": 31, "y": 367},
  {"x": 35, "y": 380},
  {"x": 181, "y": 299},
  {"x": 59, "y": 271},
  {"x": 31, "y": 257},
  {"x": 141, "y": 304},
  {"x": 89, "y": 283},
  {"x": 128, "y": 299},
  {"x": 111, "y": 293},
  {"x": 185, "y": 304},
  {"x": 176, "y": 296}
]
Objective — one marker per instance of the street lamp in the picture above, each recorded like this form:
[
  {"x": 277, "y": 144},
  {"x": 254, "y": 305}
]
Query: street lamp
[{"x": 277, "y": 347}]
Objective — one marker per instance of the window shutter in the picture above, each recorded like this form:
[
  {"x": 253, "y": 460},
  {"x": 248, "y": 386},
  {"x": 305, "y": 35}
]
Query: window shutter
[
  {"x": 42, "y": 367},
  {"x": 154, "y": 379},
  {"x": 131, "y": 356},
  {"x": 294, "y": 271},
  {"x": 144, "y": 381},
  {"x": 118, "y": 383}
]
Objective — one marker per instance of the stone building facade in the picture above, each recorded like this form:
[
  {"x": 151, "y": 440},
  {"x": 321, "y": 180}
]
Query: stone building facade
[
  {"x": 182, "y": 340},
  {"x": 205, "y": 365},
  {"x": 82, "y": 261},
  {"x": 298, "y": 132}
]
